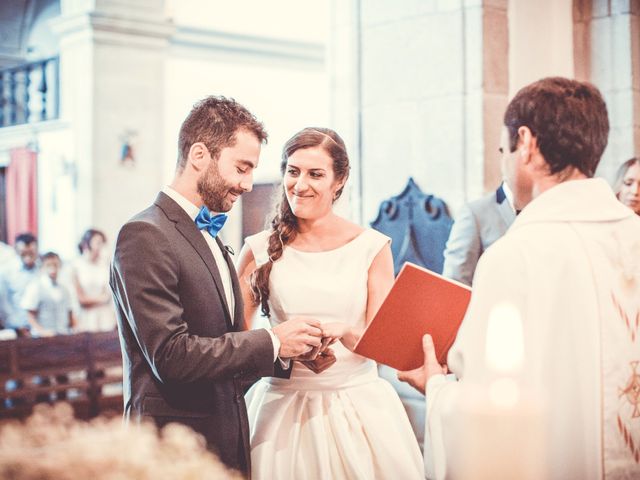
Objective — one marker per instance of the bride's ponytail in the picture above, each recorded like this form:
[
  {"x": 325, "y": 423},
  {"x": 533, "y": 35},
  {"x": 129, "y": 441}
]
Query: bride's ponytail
[{"x": 283, "y": 230}]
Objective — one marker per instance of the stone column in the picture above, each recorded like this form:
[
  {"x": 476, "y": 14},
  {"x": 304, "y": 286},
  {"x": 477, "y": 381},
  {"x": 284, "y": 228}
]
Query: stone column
[
  {"x": 432, "y": 83},
  {"x": 343, "y": 64},
  {"x": 494, "y": 88},
  {"x": 607, "y": 53},
  {"x": 540, "y": 41},
  {"x": 112, "y": 58}
]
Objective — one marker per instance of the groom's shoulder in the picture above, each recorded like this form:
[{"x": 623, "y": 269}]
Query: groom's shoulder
[
  {"x": 157, "y": 213},
  {"x": 152, "y": 216},
  {"x": 151, "y": 220}
]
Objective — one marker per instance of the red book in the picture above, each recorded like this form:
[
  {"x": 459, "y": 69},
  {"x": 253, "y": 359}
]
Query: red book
[{"x": 419, "y": 302}]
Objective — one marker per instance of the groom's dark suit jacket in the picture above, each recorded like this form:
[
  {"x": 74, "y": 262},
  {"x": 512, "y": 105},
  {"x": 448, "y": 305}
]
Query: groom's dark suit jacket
[{"x": 184, "y": 360}]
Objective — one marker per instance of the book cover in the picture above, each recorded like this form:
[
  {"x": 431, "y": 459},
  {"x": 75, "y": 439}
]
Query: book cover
[{"x": 420, "y": 301}]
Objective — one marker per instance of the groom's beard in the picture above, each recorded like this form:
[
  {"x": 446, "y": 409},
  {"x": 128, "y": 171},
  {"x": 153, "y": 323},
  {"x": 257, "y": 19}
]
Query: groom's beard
[{"x": 213, "y": 189}]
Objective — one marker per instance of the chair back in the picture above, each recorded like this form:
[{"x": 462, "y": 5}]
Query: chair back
[{"x": 419, "y": 226}]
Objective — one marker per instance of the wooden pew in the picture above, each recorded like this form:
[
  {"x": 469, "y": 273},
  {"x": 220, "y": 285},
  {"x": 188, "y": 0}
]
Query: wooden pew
[{"x": 84, "y": 369}]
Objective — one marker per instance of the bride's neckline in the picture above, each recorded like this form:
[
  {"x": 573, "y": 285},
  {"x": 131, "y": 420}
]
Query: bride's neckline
[{"x": 331, "y": 249}]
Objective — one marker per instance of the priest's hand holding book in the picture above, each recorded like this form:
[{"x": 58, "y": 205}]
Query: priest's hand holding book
[
  {"x": 418, "y": 377},
  {"x": 421, "y": 304}
]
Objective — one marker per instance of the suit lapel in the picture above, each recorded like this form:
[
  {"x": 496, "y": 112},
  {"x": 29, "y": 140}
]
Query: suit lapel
[
  {"x": 504, "y": 207},
  {"x": 186, "y": 226}
]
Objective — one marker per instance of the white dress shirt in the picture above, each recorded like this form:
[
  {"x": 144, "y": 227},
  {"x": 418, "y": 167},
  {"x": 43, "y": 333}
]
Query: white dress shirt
[
  {"x": 508, "y": 194},
  {"x": 51, "y": 301},
  {"x": 192, "y": 210},
  {"x": 223, "y": 268}
]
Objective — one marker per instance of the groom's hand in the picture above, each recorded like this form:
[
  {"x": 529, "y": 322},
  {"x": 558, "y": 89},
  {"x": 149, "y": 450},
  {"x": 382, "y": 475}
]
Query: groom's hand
[{"x": 297, "y": 336}]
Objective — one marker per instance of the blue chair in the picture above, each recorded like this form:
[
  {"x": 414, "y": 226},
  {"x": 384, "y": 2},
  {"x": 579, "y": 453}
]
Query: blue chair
[{"x": 419, "y": 225}]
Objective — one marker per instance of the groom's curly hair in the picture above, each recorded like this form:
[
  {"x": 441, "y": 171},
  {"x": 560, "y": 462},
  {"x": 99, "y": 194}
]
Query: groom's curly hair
[
  {"x": 214, "y": 121},
  {"x": 284, "y": 224}
]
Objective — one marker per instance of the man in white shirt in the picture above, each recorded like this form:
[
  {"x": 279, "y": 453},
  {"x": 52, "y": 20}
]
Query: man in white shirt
[
  {"x": 14, "y": 280},
  {"x": 47, "y": 301},
  {"x": 549, "y": 347},
  {"x": 187, "y": 353},
  {"x": 8, "y": 257}
]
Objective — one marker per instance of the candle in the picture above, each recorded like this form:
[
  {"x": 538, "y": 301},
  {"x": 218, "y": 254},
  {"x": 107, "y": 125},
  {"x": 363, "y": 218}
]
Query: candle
[{"x": 499, "y": 432}]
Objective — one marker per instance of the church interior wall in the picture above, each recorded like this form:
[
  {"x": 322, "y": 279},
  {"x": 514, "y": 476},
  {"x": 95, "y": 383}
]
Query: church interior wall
[{"x": 417, "y": 89}]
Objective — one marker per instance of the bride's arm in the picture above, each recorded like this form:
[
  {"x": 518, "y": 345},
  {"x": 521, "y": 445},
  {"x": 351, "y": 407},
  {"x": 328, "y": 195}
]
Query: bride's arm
[
  {"x": 246, "y": 266},
  {"x": 379, "y": 282}
]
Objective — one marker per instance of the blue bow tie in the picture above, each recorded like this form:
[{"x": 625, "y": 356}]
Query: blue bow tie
[{"x": 204, "y": 221}]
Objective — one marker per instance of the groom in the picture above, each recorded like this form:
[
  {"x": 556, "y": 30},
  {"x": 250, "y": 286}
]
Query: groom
[{"x": 186, "y": 351}]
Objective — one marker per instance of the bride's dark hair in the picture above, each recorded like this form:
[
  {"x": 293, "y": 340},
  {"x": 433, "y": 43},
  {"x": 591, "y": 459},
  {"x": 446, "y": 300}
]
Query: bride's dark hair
[{"x": 284, "y": 224}]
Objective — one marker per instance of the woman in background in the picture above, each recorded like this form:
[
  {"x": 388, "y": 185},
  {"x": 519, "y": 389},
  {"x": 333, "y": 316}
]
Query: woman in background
[
  {"x": 343, "y": 422},
  {"x": 91, "y": 281},
  {"x": 627, "y": 184}
]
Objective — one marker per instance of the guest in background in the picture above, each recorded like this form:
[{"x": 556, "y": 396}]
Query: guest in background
[
  {"x": 90, "y": 276},
  {"x": 551, "y": 314},
  {"x": 48, "y": 305},
  {"x": 8, "y": 260},
  {"x": 47, "y": 301},
  {"x": 476, "y": 227},
  {"x": 627, "y": 184},
  {"x": 4, "y": 311},
  {"x": 8, "y": 257},
  {"x": 16, "y": 279},
  {"x": 13, "y": 282}
]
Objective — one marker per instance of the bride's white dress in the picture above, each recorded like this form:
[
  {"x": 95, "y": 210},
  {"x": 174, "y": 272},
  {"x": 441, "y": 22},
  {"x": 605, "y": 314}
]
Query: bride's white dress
[{"x": 346, "y": 422}]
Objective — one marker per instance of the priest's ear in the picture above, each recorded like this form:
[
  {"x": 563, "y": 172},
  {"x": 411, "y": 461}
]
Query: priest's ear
[{"x": 527, "y": 144}]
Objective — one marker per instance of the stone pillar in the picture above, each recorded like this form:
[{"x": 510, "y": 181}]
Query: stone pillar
[
  {"x": 540, "y": 41},
  {"x": 494, "y": 89},
  {"x": 431, "y": 86},
  {"x": 112, "y": 58},
  {"x": 607, "y": 53},
  {"x": 344, "y": 69}
]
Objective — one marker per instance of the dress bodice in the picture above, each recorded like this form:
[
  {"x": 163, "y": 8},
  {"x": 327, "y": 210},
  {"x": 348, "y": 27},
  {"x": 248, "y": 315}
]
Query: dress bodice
[{"x": 330, "y": 286}]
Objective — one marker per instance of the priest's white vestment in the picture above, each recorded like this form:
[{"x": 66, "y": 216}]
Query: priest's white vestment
[{"x": 570, "y": 265}]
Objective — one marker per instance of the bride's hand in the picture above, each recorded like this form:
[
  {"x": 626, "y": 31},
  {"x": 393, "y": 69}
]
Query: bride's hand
[{"x": 333, "y": 331}]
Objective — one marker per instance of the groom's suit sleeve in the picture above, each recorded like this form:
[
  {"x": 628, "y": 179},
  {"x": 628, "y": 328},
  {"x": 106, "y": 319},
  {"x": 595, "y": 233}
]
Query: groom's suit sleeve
[{"x": 144, "y": 280}]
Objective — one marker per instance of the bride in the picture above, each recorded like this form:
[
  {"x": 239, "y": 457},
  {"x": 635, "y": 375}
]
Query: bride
[{"x": 344, "y": 422}]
